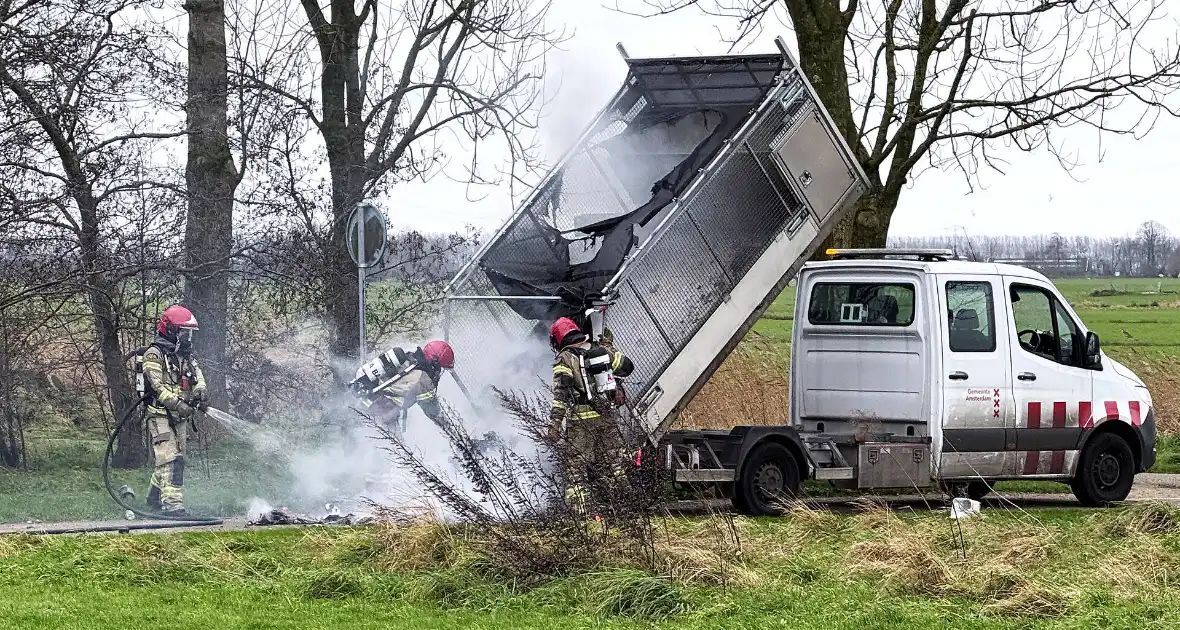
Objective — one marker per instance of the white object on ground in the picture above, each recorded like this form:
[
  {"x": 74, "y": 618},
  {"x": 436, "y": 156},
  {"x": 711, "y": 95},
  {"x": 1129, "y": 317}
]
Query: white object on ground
[{"x": 963, "y": 508}]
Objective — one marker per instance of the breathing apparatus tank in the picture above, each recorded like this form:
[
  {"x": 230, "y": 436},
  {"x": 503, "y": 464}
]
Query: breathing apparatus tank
[
  {"x": 140, "y": 380},
  {"x": 597, "y": 360},
  {"x": 598, "y": 366},
  {"x": 385, "y": 367}
]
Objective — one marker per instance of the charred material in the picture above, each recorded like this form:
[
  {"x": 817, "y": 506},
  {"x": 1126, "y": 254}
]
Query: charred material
[{"x": 283, "y": 517}]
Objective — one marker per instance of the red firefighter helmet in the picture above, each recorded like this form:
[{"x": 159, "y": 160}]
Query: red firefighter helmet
[
  {"x": 176, "y": 317},
  {"x": 560, "y": 330},
  {"x": 440, "y": 351}
]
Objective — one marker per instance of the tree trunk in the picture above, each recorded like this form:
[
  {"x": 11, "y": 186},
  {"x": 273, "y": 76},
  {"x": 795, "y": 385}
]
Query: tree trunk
[
  {"x": 866, "y": 226},
  {"x": 130, "y": 450},
  {"x": 100, "y": 290},
  {"x": 212, "y": 179},
  {"x": 343, "y": 131},
  {"x": 821, "y": 30}
]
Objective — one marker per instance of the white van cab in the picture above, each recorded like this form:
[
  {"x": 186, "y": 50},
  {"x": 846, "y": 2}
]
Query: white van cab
[{"x": 986, "y": 363}]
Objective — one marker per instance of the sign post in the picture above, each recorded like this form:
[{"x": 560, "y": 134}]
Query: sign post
[{"x": 367, "y": 236}]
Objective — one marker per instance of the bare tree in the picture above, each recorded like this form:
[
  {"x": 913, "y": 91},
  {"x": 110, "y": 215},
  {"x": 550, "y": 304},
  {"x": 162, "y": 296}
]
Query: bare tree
[
  {"x": 389, "y": 81},
  {"x": 69, "y": 73},
  {"x": 1173, "y": 267},
  {"x": 1153, "y": 241},
  {"x": 1058, "y": 247},
  {"x": 945, "y": 83}
]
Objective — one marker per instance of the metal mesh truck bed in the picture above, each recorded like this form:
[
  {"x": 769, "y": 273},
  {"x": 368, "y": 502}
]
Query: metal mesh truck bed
[{"x": 686, "y": 205}]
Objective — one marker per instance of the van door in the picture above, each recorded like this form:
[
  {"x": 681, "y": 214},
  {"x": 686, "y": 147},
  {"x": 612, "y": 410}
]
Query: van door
[
  {"x": 1050, "y": 385},
  {"x": 976, "y": 379}
]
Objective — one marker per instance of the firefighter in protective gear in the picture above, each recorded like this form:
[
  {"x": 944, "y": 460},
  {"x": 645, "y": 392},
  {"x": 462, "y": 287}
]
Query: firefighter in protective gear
[
  {"x": 391, "y": 405},
  {"x": 175, "y": 388},
  {"x": 574, "y": 414}
]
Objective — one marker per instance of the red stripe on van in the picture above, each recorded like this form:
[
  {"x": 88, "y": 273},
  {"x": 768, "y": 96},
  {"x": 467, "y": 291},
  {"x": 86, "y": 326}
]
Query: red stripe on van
[
  {"x": 1057, "y": 463},
  {"x": 1059, "y": 415},
  {"x": 1033, "y": 421},
  {"x": 1136, "y": 418},
  {"x": 1085, "y": 414},
  {"x": 1112, "y": 410}
]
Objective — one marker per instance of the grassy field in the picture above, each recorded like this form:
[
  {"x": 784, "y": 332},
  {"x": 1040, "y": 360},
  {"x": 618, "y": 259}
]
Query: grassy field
[{"x": 1009, "y": 569}]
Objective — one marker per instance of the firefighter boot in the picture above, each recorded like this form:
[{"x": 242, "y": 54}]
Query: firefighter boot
[{"x": 153, "y": 496}]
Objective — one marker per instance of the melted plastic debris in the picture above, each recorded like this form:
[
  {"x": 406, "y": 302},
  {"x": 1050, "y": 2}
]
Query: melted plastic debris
[{"x": 285, "y": 517}]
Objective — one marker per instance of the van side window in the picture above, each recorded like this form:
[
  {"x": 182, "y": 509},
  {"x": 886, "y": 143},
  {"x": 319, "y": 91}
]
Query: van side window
[
  {"x": 1043, "y": 326},
  {"x": 861, "y": 304},
  {"x": 971, "y": 317}
]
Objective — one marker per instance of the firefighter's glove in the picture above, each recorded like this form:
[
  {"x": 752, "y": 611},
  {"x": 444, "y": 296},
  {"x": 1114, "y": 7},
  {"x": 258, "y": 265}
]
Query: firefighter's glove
[
  {"x": 200, "y": 400},
  {"x": 184, "y": 410}
]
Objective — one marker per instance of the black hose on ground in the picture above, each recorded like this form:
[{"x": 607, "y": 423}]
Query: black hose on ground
[
  {"x": 106, "y": 479},
  {"x": 122, "y": 528}
]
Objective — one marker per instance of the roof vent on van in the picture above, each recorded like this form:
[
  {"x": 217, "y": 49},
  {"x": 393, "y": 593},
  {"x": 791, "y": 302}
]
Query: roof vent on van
[{"x": 882, "y": 252}]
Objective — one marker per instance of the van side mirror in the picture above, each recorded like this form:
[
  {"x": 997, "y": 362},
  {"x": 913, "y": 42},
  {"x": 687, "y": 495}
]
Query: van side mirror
[{"x": 1093, "y": 350}]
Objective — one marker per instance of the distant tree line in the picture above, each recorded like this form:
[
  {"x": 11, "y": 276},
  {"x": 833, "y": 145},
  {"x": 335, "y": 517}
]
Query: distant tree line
[{"x": 1148, "y": 253}]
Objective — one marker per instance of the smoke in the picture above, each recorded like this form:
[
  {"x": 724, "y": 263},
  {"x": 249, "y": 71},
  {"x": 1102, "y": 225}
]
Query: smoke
[
  {"x": 346, "y": 464},
  {"x": 343, "y": 462}
]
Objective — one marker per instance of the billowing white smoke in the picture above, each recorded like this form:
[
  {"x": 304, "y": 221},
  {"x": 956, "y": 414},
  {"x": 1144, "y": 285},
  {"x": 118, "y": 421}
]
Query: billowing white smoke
[{"x": 353, "y": 465}]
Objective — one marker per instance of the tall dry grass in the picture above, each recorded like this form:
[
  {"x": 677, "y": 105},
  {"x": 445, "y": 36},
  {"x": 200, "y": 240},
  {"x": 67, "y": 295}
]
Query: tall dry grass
[
  {"x": 750, "y": 388},
  {"x": 1027, "y": 568},
  {"x": 1162, "y": 381}
]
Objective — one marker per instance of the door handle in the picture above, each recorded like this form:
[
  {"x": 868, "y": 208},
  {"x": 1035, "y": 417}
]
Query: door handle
[
  {"x": 958, "y": 376},
  {"x": 1027, "y": 376}
]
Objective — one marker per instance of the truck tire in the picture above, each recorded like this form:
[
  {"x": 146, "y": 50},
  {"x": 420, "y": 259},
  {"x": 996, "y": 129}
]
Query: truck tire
[
  {"x": 1105, "y": 471},
  {"x": 769, "y": 477}
]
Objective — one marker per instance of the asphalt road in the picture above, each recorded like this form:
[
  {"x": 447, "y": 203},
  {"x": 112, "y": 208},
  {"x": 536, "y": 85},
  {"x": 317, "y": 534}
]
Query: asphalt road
[{"x": 1148, "y": 487}]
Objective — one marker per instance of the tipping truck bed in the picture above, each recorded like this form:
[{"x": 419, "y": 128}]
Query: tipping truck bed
[{"x": 687, "y": 205}]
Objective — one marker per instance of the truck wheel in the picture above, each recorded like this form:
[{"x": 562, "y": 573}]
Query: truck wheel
[
  {"x": 1105, "y": 471},
  {"x": 770, "y": 476}
]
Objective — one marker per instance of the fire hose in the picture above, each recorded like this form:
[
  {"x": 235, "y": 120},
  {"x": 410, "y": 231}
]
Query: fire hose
[{"x": 106, "y": 478}]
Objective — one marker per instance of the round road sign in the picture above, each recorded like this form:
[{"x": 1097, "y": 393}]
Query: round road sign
[{"x": 367, "y": 234}]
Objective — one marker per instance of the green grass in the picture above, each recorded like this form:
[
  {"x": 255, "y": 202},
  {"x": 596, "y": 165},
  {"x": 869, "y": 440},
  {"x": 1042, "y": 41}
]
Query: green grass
[
  {"x": 1167, "y": 457},
  {"x": 64, "y": 480},
  {"x": 1045, "y": 568}
]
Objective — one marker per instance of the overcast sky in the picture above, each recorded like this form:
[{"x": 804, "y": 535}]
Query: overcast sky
[{"x": 1129, "y": 182}]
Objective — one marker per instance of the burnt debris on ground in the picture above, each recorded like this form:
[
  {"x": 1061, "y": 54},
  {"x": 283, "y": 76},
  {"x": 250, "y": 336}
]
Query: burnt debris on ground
[{"x": 285, "y": 517}]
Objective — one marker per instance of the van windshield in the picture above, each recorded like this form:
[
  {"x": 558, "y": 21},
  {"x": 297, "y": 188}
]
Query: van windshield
[{"x": 861, "y": 304}]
